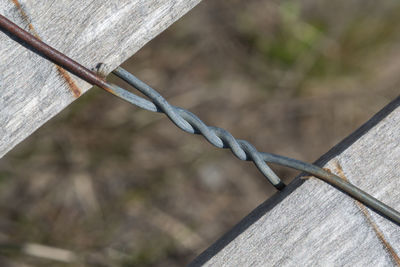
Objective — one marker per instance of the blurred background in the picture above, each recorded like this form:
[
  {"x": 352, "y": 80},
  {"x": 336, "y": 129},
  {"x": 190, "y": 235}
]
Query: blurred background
[{"x": 113, "y": 185}]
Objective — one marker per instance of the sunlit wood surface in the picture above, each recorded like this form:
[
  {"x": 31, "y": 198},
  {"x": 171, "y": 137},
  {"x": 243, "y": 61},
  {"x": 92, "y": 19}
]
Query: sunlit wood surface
[
  {"x": 33, "y": 90},
  {"x": 313, "y": 224}
]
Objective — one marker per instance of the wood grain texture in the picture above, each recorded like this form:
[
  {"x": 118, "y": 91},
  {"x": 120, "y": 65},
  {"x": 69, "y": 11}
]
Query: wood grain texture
[
  {"x": 33, "y": 90},
  {"x": 312, "y": 224}
]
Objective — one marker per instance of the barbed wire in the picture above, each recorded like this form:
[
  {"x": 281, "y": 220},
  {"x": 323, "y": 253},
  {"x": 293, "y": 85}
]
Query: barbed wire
[{"x": 190, "y": 123}]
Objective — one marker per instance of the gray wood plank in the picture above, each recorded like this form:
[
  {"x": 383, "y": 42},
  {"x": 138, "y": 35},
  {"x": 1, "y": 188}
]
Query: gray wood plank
[
  {"x": 312, "y": 223},
  {"x": 32, "y": 90}
]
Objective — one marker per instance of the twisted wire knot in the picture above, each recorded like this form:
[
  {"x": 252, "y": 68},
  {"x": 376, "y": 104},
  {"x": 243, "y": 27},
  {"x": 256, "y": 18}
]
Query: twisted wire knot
[
  {"x": 242, "y": 149},
  {"x": 190, "y": 123}
]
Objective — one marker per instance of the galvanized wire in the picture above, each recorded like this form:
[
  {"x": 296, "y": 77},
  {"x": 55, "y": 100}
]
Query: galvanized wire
[
  {"x": 190, "y": 123},
  {"x": 242, "y": 149}
]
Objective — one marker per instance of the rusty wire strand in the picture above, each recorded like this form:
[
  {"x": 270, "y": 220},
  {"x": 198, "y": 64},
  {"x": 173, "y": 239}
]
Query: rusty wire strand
[{"x": 189, "y": 122}]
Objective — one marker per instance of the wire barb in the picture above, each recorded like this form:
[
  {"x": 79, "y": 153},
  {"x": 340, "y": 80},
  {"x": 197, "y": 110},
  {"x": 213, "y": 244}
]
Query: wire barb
[{"x": 190, "y": 123}]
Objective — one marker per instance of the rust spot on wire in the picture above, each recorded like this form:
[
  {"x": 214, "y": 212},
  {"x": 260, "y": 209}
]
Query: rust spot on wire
[
  {"x": 327, "y": 170},
  {"x": 339, "y": 171},
  {"x": 25, "y": 18},
  {"x": 71, "y": 83},
  {"x": 63, "y": 73},
  {"x": 375, "y": 227}
]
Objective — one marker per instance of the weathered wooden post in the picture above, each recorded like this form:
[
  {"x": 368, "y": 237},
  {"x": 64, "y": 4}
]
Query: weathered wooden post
[
  {"x": 309, "y": 222},
  {"x": 312, "y": 223},
  {"x": 33, "y": 90}
]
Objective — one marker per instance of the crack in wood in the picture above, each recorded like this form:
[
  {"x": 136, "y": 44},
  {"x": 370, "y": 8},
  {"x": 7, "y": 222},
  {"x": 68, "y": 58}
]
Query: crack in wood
[
  {"x": 378, "y": 232},
  {"x": 62, "y": 72}
]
